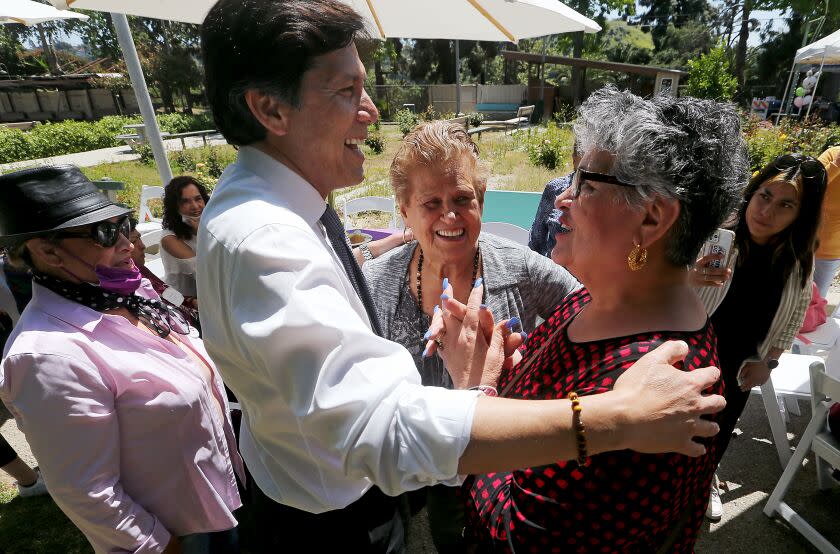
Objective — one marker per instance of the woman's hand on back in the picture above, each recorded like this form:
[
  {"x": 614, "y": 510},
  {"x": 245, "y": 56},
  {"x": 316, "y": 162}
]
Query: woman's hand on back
[{"x": 663, "y": 405}]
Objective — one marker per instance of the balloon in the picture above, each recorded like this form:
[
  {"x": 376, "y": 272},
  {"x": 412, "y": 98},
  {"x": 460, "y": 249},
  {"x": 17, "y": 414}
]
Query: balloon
[
  {"x": 800, "y": 91},
  {"x": 809, "y": 83},
  {"x": 807, "y": 100},
  {"x": 797, "y": 101}
]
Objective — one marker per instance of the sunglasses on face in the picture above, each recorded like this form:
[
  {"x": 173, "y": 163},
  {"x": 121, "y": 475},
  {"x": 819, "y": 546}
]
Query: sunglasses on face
[
  {"x": 810, "y": 167},
  {"x": 104, "y": 233},
  {"x": 584, "y": 175}
]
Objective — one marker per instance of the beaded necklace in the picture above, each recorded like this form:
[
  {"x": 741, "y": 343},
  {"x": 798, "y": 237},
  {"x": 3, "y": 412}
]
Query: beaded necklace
[{"x": 420, "y": 274}]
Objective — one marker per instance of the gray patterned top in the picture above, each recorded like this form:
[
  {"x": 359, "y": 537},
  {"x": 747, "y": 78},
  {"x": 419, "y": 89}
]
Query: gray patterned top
[{"x": 517, "y": 282}]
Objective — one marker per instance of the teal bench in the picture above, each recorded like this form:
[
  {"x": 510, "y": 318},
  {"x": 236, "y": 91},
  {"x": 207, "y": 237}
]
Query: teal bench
[
  {"x": 496, "y": 111},
  {"x": 509, "y": 206}
]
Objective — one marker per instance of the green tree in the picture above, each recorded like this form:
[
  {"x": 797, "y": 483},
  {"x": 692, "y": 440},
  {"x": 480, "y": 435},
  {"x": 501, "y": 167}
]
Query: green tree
[{"x": 710, "y": 76}]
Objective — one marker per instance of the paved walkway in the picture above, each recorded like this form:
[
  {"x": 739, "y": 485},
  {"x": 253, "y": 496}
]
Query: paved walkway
[{"x": 109, "y": 155}]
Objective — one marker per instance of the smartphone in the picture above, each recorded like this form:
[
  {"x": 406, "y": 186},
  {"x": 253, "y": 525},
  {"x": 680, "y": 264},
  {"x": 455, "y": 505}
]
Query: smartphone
[{"x": 720, "y": 242}]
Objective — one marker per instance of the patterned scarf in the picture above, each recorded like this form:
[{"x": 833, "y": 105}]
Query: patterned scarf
[{"x": 155, "y": 314}]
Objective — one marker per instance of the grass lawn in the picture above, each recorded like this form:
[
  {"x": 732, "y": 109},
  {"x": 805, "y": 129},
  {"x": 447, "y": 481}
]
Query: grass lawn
[
  {"x": 505, "y": 153},
  {"x": 36, "y": 525}
]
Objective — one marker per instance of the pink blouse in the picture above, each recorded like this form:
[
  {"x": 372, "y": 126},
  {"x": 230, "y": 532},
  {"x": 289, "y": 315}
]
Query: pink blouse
[{"x": 128, "y": 435}]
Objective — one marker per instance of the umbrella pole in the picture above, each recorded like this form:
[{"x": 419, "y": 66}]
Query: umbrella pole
[
  {"x": 457, "y": 78},
  {"x": 814, "y": 94},
  {"x": 785, "y": 95},
  {"x": 138, "y": 83}
]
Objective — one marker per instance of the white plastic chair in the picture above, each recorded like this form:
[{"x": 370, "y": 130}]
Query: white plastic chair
[
  {"x": 149, "y": 193},
  {"x": 370, "y": 204},
  {"x": 506, "y": 230},
  {"x": 788, "y": 382},
  {"x": 826, "y": 450}
]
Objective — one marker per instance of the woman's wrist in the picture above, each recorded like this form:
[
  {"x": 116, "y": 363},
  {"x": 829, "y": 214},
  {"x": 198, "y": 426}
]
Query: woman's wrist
[{"x": 606, "y": 424}]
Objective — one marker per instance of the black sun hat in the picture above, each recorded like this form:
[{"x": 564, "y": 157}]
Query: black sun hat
[{"x": 36, "y": 201}]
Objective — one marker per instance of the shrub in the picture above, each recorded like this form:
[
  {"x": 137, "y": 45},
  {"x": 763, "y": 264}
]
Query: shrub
[
  {"x": 13, "y": 146},
  {"x": 407, "y": 120},
  {"x": 549, "y": 148},
  {"x": 475, "y": 118},
  {"x": 374, "y": 140},
  {"x": 147, "y": 157},
  {"x": 429, "y": 114},
  {"x": 710, "y": 77},
  {"x": 766, "y": 142},
  {"x": 183, "y": 161},
  {"x": 68, "y": 137}
]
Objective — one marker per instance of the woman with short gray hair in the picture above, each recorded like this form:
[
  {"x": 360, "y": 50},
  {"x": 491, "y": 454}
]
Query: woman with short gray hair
[{"x": 657, "y": 177}]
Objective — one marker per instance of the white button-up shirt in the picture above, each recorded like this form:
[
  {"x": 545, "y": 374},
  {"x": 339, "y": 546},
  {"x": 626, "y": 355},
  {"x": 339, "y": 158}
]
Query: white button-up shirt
[{"x": 329, "y": 408}]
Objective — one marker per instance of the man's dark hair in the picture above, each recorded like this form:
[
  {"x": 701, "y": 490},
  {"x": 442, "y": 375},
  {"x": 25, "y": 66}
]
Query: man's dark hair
[{"x": 266, "y": 45}]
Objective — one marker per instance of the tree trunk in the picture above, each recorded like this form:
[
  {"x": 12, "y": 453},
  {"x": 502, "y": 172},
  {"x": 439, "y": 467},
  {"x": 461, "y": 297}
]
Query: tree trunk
[
  {"x": 49, "y": 52},
  {"x": 741, "y": 51}
]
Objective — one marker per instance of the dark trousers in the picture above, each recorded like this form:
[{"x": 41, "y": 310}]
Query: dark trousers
[
  {"x": 736, "y": 401},
  {"x": 7, "y": 453},
  {"x": 370, "y": 525}
]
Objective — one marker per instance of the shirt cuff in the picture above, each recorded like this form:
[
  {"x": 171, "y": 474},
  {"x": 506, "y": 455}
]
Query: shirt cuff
[{"x": 156, "y": 542}]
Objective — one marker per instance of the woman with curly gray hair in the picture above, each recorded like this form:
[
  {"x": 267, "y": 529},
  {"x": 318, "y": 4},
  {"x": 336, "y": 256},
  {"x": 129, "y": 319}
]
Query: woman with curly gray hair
[{"x": 657, "y": 177}]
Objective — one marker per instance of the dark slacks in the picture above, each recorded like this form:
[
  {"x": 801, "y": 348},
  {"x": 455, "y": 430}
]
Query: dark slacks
[
  {"x": 736, "y": 401},
  {"x": 372, "y": 524}
]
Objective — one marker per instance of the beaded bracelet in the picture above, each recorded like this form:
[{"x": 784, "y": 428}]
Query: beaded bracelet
[{"x": 580, "y": 429}]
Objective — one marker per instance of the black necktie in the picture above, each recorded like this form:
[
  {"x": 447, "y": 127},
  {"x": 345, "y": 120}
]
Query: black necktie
[{"x": 338, "y": 239}]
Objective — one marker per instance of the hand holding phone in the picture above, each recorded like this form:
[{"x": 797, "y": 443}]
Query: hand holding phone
[{"x": 712, "y": 268}]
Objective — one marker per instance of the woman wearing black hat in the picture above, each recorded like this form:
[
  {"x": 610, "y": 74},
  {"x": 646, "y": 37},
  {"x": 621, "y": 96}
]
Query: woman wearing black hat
[{"x": 124, "y": 412}]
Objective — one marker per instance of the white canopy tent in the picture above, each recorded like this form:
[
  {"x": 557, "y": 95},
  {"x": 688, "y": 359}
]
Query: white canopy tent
[
  {"x": 30, "y": 13},
  {"x": 825, "y": 51},
  {"x": 490, "y": 20}
]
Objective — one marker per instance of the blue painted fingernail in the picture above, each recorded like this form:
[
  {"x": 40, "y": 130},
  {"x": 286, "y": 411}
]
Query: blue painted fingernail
[
  {"x": 477, "y": 283},
  {"x": 426, "y": 352},
  {"x": 512, "y": 323},
  {"x": 524, "y": 336},
  {"x": 427, "y": 335},
  {"x": 445, "y": 283},
  {"x": 482, "y": 306},
  {"x": 437, "y": 308},
  {"x": 444, "y": 297}
]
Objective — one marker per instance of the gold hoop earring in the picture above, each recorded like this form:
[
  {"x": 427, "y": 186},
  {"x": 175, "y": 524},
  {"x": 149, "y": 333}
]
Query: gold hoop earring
[{"x": 637, "y": 258}]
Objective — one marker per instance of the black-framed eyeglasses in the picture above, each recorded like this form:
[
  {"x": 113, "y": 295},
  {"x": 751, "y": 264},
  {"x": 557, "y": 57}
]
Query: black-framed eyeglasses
[
  {"x": 105, "y": 233},
  {"x": 584, "y": 175},
  {"x": 809, "y": 166}
]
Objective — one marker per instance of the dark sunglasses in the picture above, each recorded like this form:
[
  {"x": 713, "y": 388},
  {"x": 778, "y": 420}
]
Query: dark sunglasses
[
  {"x": 584, "y": 175},
  {"x": 104, "y": 233},
  {"x": 810, "y": 167}
]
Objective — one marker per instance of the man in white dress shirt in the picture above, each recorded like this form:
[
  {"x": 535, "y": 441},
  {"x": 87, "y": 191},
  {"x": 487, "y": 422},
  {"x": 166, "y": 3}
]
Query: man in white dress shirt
[{"x": 334, "y": 415}]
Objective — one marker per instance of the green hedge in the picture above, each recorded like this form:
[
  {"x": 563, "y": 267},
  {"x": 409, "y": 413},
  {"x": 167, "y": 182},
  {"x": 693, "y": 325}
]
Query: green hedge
[{"x": 68, "y": 137}]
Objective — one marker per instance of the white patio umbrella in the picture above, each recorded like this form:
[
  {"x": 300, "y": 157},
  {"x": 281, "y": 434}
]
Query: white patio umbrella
[
  {"x": 490, "y": 20},
  {"x": 30, "y": 13}
]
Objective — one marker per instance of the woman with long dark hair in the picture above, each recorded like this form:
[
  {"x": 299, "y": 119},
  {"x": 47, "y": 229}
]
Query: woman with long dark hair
[
  {"x": 758, "y": 311},
  {"x": 183, "y": 203}
]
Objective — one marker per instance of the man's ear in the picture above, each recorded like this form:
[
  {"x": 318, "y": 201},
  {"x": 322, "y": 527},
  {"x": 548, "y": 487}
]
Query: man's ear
[
  {"x": 660, "y": 216},
  {"x": 44, "y": 253},
  {"x": 273, "y": 114}
]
